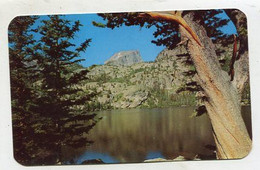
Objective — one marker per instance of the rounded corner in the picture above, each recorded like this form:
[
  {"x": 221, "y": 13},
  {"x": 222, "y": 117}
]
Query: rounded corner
[
  {"x": 12, "y": 20},
  {"x": 240, "y": 10},
  {"x": 248, "y": 153},
  {"x": 18, "y": 162}
]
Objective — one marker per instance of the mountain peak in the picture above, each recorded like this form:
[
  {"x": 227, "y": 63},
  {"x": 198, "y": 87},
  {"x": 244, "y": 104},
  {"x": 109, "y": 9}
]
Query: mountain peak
[{"x": 125, "y": 58}]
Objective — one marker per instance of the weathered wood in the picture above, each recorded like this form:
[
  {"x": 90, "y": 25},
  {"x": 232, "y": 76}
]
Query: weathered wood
[
  {"x": 223, "y": 96},
  {"x": 223, "y": 104},
  {"x": 176, "y": 17},
  {"x": 241, "y": 65}
]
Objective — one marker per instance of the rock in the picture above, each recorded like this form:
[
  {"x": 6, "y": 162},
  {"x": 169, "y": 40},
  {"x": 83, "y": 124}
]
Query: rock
[
  {"x": 120, "y": 86},
  {"x": 167, "y": 54},
  {"x": 130, "y": 98},
  {"x": 196, "y": 158},
  {"x": 157, "y": 160},
  {"x": 104, "y": 99},
  {"x": 179, "y": 158},
  {"x": 137, "y": 99},
  {"x": 125, "y": 58}
]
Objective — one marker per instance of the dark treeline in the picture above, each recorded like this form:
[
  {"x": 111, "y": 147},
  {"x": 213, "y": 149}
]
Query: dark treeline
[{"x": 47, "y": 103}]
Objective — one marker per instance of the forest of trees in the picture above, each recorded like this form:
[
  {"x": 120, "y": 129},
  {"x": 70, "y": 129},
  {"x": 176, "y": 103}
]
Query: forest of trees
[
  {"x": 49, "y": 108},
  {"x": 44, "y": 88}
]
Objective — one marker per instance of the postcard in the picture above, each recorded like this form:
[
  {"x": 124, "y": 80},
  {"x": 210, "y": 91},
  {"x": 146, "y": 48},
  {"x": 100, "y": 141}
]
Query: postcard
[{"x": 130, "y": 87}]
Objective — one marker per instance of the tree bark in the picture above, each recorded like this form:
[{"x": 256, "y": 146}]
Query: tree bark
[
  {"x": 241, "y": 65},
  {"x": 223, "y": 96}
]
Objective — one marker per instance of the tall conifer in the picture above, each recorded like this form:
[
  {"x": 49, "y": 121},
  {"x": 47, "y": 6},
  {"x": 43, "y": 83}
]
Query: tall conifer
[
  {"x": 20, "y": 54},
  {"x": 48, "y": 103},
  {"x": 60, "y": 104}
]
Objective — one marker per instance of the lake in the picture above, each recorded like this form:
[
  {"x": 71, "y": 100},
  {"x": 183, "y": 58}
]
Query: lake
[{"x": 135, "y": 135}]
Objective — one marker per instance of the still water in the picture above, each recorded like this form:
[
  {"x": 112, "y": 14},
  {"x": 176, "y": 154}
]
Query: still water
[{"x": 135, "y": 135}]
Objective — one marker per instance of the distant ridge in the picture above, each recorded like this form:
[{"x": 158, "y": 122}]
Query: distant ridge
[{"x": 125, "y": 58}]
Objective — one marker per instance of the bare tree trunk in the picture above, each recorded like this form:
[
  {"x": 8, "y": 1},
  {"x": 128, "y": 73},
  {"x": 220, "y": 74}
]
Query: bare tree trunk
[
  {"x": 223, "y": 96},
  {"x": 241, "y": 65}
]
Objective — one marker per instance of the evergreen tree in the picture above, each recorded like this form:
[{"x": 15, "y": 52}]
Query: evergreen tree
[
  {"x": 167, "y": 33},
  {"x": 20, "y": 55},
  {"x": 48, "y": 104},
  {"x": 63, "y": 120}
]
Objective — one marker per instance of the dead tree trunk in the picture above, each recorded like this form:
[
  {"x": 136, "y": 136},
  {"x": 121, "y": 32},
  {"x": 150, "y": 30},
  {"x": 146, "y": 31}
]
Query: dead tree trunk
[
  {"x": 241, "y": 65},
  {"x": 223, "y": 96}
]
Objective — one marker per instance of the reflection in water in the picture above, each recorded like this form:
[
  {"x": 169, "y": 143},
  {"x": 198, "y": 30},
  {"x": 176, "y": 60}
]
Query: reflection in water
[
  {"x": 152, "y": 155},
  {"x": 135, "y": 135},
  {"x": 95, "y": 155}
]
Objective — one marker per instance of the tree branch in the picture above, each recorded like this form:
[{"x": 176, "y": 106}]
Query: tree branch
[
  {"x": 173, "y": 16},
  {"x": 241, "y": 65},
  {"x": 233, "y": 59}
]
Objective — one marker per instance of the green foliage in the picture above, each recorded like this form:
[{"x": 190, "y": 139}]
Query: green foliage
[
  {"x": 119, "y": 80},
  {"x": 93, "y": 66},
  {"x": 101, "y": 25},
  {"x": 119, "y": 96},
  {"x": 212, "y": 22},
  {"x": 138, "y": 70},
  {"x": 57, "y": 106},
  {"x": 21, "y": 77},
  {"x": 56, "y": 102},
  {"x": 226, "y": 63},
  {"x": 160, "y": 97},
  {"x": 167, "y": 32},
  {"x": 199, "y": 111},
  {"x": 184, "y": 99},
  {"x": 246, "y": 96},
  {"x": 102, "y": 78}
]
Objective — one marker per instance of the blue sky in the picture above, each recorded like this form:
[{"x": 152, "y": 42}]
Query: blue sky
[{"x": 106, "y": 42}]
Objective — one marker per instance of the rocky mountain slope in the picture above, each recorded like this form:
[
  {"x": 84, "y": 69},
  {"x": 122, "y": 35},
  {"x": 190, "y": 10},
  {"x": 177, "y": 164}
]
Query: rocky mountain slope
[
  {"x": 125, "y": 81},
  {"x": 125, "y": 58},
  {"x": 143, "y": 84}
]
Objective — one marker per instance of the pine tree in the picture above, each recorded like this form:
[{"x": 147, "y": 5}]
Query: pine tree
[
  {"x": 48, "y": 104},
  {"x": 20, "y": 42},
  {"x": 62, "y": 118}
]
